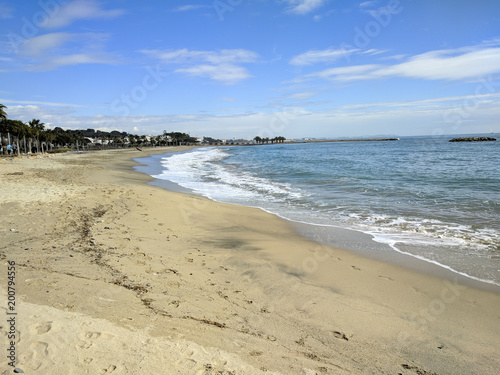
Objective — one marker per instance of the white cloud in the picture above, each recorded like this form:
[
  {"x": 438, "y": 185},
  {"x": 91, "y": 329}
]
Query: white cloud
[
  {"x": 403, "y": 118},
  {"x": 344, "y": 73},
  {"x": 303, "y": 95},
  {"x": 446, "y": 65},
  {"x": 50, "y": 51},
  {"x": 39, "y": 45},
  {"x": 320, "y": 56},
  {"x": 228, "y": 74},
  {"x": 75, "y": 10},
  {"x": 367, "y": 4},
  {"x": 480, "y": 98},
  {"x": 189, "y": 7},
  {"x": 330, "y": 55},
  {"x": 394, "y": 57},
  {"x": 220, "y": 66},
  {"x": 191, "y": 56},
  {"x": 32, "y": 103},
  {"x": 302, "y": 7},
  {"x": 450, "y": 65},
  {"x": 76, "y": 59},
  {"x": 373, "y": 51}
]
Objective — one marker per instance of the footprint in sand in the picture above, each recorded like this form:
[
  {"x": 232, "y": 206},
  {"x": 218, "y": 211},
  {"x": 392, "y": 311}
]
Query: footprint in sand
[
  {"x": 84, "y": 345},
  {"x": 36, "y": 355},
  {"x": 386, "y": 277},
  {"x": 340, "y": 335},
  {"x": 41, "y": 328},
  {"x": 88, "y": 339},
  {"x": 108, "y": 370}
]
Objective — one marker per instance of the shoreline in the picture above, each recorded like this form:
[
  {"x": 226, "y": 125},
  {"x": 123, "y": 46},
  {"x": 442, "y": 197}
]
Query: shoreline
[
  {"x": 367, "y": 247},
  {"x": 117, "y": 275}
]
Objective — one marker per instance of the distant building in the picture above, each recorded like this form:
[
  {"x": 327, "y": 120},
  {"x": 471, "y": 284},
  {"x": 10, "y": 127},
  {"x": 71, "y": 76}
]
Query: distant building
[{"x": 241, "y": 141}]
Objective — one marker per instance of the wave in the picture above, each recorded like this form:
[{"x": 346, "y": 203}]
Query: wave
[
  {"x": 218, "y": 175},
  {"x": 202, "y": 172}
]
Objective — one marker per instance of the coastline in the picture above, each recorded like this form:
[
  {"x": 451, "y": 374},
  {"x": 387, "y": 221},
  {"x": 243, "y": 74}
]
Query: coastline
[
  {"x": 359, "y": 242},
  {"x": 135, "y": 277}
]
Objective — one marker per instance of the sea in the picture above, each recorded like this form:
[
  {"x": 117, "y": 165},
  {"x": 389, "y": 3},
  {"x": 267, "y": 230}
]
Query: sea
[{"x": 422, "y": 197}]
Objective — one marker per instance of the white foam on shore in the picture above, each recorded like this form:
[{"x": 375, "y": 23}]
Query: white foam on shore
[
  {"x": 393, "y": 245},
  {"x": 200, "y": 171},
  {"x": 204, "y": 172}
]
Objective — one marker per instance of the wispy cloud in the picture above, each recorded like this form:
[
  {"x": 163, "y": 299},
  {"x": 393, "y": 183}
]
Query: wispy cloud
[
  {"x": 221, "y": 66},
  {"x": 394, "y": 57},
  {"x": 425, "y": 102},
  {"x": 330, "y": 55},
  {"x": 189, "y": 7},
  {"x": 184, "y": 55},
  {"x": 367, "y": 4},
  {"x": 224, "y": 73},
  {"x": 304, "y": 95},
  {"x": 302, "y": 7},
  {"x": 6, "y": 12},
  {"x": 450, "y": 65},
  {"x": 42, "y": 44},
  {"x": 35, "y": 103},
  {"x": 321, "y": 56},
  {"x": 345, "y": 72},
  {"x": 79, "y": 10},
  {"x": 404, "y": 117},
  {"x": 50, "y": 51},
  {"x": 75, "y": 59}
]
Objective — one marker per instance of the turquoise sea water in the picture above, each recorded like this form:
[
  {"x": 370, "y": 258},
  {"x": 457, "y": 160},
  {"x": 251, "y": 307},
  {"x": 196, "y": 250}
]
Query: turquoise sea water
[{"x": 424, "y": 196}]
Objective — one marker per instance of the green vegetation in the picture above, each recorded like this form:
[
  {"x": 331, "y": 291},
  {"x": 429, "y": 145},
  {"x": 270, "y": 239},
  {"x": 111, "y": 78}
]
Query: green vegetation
[
  {"x": 33, "y": 137},
  {"x": 267, "y": 140},
  {"x": 3, "y": 114}
]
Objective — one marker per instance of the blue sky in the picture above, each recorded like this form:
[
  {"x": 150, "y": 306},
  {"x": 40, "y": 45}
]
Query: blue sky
[{"x": 236, "y": 68}]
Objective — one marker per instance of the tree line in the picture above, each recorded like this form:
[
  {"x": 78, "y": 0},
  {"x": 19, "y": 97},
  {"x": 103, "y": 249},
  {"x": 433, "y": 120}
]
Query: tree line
[
  {"x": 260, "y": 140},
  {"x": 33, "y": 137}
]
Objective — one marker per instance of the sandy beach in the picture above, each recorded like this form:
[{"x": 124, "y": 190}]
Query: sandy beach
[{"x": 115, "y": 276}]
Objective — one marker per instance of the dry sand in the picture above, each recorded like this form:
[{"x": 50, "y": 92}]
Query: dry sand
[{"x": 115, "y": 276}]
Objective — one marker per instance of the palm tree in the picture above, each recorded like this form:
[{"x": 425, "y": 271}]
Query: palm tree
[
  {"x": 158, "y": 140},
  {"x": 15, "y": 128},
  {"x": 37, "y": 128},
  {"x": 3, "y": 114},
  {"x": 257, "y": 139}
]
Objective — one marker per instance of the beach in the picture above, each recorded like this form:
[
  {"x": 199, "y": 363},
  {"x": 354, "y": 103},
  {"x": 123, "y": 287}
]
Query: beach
[{"x": 113, "y": 275}]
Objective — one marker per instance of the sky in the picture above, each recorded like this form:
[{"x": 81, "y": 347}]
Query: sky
[{"x": 246, "y": 68}]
